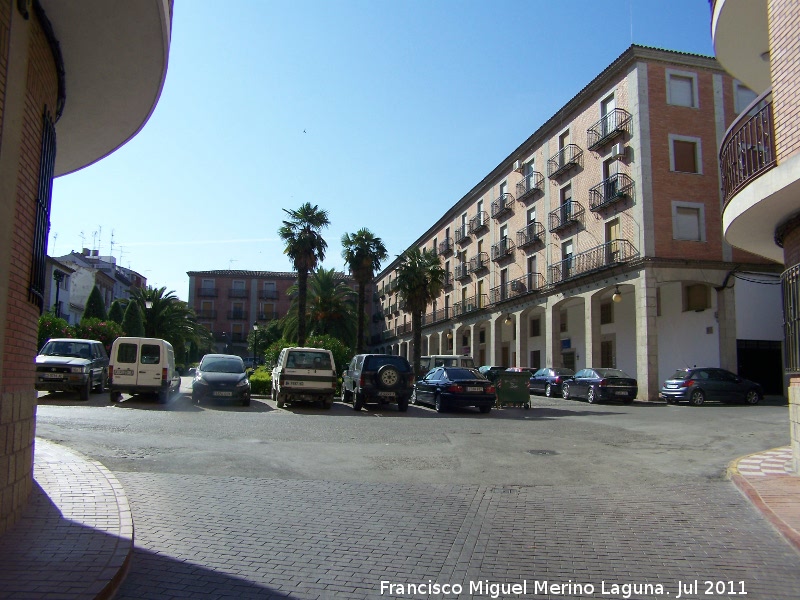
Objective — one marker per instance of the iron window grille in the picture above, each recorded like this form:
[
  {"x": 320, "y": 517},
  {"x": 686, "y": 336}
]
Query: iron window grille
[{"x": 43, "y": 200}]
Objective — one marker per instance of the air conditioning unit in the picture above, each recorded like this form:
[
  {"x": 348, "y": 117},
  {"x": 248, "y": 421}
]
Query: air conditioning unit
[
  {"x": 618, "y": 150},
  {"x": 517, "y": 286},
  {"x": 518, "y": 166}
]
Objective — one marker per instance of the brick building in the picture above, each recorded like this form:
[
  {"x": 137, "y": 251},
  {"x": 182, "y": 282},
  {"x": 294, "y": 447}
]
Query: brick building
[
  {"x": 77, "y": 81},
  {"x": 598, "y": 241},
  {"x": 758, "y": 41}
]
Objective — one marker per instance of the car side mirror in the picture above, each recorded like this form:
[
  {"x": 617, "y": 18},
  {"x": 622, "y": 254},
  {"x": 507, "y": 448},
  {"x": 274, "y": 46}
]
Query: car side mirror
[{"x": 192, "y": 371}]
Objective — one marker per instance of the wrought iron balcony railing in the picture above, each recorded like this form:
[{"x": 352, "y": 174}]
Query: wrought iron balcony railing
[
  {"x": 268, "y": 294},
  {"x": 527, "y": 284},
  {"x": 600, "y": 257},
  {"x": 394, "y": 308},
  {"x": 748, "y": 148},
  {"x": 531, "y": 183},
  {"x": 446, "y": 246},
  {"x": 388, "y": 334},
  {"x": 441, "y": 314},
  {"x": 237, "y": 293},
  {"x": 608, "y": 191},
  {"x": 504, "y": 205},
  {"x": 461, "y": 271},
  {"x": 237, "y": 315},
  {"x": 207, "y": 292},
  {"x": 565, "y": 215},
  {"x": 502, "y": 249},
  {"x": 614, "y": 124},
  {"x": 479, "y": 262},
  {"x": 460, "y": 234},
  {"x": 532, "y": 233},
  {"x": 479, "y": 222},
  {"x": 206, "y": 314},
  {"x": 477, "y": 302},
  {"x": 448, "y": 279},
  {"x": 404, "y": 329},
  {"x": 565, "y": 159}
]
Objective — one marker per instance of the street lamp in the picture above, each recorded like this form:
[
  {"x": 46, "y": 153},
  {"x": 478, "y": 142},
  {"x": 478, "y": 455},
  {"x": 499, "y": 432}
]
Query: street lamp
[
  {"x": 255, "y": 344},
  {"x": 59, "y": 277}
]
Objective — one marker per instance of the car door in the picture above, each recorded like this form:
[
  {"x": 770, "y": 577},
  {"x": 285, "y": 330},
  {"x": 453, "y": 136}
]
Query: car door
[
  {"x": 729, "y": 388},
  {"x": 149, "y": 369},
  {"x": 538, "y": 382},
  {"x": 580, "y": 383},
  {"x": 426, "y": 387}
]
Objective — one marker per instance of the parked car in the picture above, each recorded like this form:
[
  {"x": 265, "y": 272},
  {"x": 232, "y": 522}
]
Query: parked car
[
  {"x": 548, "y": 380},
  {"x": 221, "y": 377},
  {"x": 378, "y": 378},
  {"x": 600, "y": 384},
  {"x": 140, "y": 365},
  {"x": 700, "y": 384},
  {"x": 304, "y": 375},
  {"x": 490, "y": 372},
  {"x": 447, "y": 387},
  {"x": 72, "y": 365},
  {"x": 427, "y": 363}
]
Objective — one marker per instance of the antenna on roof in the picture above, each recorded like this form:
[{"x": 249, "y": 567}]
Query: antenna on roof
[
  {"x": 99, "y": 238},
  {"x": 55, "y": 238},
  {"x": 630, "y": 13},
  {"x": 83, "y": 240},
  {"x": 230, "y": 262},
  {"x": 111, "y": 253}
]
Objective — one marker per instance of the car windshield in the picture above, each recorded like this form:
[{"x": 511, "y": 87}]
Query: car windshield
[
  {"x": 680, "y": 374},
  {"x": 222, "y": 365},
  {"x": 67, "y": 348},
  {"x": 308, "y": 360},
  {"x": 461, "y": 373},
  {"x": 612, "y": 373}
]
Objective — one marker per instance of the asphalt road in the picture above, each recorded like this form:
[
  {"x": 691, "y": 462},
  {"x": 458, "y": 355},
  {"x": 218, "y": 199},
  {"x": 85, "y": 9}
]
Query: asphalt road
[{"x": 232, "y": 501}]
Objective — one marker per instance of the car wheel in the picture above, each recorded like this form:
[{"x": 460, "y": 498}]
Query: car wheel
[
  {"x": 753, "y": 397},
  {"x": 565, "y": 391},
  {"x": 414, "y": 397},
  {"x": 548, "y": 391},
  {"x": 279, "y": 398},
  {"x": 591, "y": 396},
  {"x": 697, "y": 398},
  {"x": 163, "y": 397},
  {"x": 114, "y": 396},
  {"x": 327, "y": 403},
  {"x": 86, "y": 390},
  {"x": 358, "y": 401},
  {"x": 101, "y": 386},
  {"x": 346, "y": 396},
  {"x": 486, "y": 409},
  {"x": 388, "y": 377},
  {"x": 246, "y": 402},
  {"x": 439, "y": 404},
  {"x": 402, "y": 405},
  {"x": 273, "y": 393}
]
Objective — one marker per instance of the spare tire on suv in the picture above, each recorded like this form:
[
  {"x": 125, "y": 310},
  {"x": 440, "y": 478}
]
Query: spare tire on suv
[{"x": 378, "y": 378}]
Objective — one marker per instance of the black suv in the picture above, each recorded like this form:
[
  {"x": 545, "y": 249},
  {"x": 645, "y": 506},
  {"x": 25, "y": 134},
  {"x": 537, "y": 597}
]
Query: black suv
[
  {"x": 65, "y": 365},
  {"x": 378, "y": 378}
]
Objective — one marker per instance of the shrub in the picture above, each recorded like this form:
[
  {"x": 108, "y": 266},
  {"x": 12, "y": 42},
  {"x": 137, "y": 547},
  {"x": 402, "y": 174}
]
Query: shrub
[
  {"x": 95, "y": 308},
  {"x": 51, "y": 326},
  {"x": 116, "y": 313},
  {"x": 261, "y": 382},
  {"x": 98, "y": 329}
]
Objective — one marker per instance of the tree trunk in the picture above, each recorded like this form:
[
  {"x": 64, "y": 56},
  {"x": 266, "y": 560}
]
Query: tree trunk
[
  {"x": 416, "y": 337},
  {"x": 302, "y": 290},
  {"x": 362, "y": 293}
]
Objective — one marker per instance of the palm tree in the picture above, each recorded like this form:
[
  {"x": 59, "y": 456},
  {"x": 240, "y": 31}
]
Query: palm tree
[
  {"x": 169, "y": 318},
  {"x": 420, "y": 278},
  {"x": 364, "y": 253},
  {"x": 330, "y": 308},
  {"x": 306, "y": 248}
]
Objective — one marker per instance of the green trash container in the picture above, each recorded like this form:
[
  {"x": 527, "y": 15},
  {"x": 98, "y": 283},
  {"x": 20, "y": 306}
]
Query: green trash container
[{"x": 512, "y": 388}]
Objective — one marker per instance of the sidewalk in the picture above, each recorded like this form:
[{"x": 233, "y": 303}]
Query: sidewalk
[
  {"x": 76, "y": 537},
  {"x": 766, "y": 479}
]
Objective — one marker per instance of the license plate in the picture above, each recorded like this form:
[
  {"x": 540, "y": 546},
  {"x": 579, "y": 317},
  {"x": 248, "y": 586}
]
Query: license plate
[
  {"x": 623, "y": 393},
  {"x": 52, "y": 376},
  {"x": 475, "y": 389},
  {"x": 291, "y": 383},
  {"x": 223, "y": 394},
  {"x": 386, "y": 394},
  {"x": 671, "y": 387}
]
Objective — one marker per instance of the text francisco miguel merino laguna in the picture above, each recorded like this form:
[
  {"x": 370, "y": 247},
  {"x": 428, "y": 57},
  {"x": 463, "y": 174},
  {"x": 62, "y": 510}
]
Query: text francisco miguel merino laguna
[{"x": 682, "y": 589}]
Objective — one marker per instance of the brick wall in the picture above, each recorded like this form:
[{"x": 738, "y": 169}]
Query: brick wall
[
  {"x": 784, "y": 42},
  {"x": 17, "y": 396}
]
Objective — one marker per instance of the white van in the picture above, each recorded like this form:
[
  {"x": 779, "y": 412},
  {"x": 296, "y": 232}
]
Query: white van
[
  {"x": 306, "y": 375},
  {"x": 142, "y": 366},
  {"x": 426, "y": 363}
]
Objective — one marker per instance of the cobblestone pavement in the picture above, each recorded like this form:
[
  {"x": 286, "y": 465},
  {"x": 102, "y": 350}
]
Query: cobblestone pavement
[{"x": 215, "y": 537}]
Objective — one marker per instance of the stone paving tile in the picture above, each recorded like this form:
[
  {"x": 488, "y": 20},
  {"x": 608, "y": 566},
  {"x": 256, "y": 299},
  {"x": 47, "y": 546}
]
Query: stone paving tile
[{"x": 316, "y": 539}]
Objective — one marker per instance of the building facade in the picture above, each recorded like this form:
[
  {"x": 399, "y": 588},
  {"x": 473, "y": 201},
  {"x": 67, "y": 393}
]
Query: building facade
[
  {"x": 598, "y": 241},
  {"x": 115, "y": 60},
  {"x": 758, "y": 41}
]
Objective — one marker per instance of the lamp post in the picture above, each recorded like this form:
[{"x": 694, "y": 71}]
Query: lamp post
[
  {"x": 255, "y": 344},
  {"x": 58, "y": 276}
]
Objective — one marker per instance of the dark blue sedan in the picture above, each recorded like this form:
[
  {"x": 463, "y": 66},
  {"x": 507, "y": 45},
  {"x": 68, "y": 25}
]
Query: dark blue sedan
[
  {"x": 600, "y": 384},
  {"x": 447, "y": 387}
]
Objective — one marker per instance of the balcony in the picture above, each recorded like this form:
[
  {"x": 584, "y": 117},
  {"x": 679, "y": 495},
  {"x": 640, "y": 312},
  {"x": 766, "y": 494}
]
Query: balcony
[
  {"x": 448, "y": 280},
  {"x": 436, "y": 316},
  {"x": 206, "y": 315},
  {"x": 207, "y": 292},
  {"x": 460, "y": 234},
  {"x": 268, "y": 294},
  {"x": 237, "y": 293},
  {"x": 479, "y": 262},
  {"x": 461, "y": 271},
  {"x": 569, "y": 157},
  {"x": 532, "y": 233},
  {"x": 394, "y": 308},
  {"x": 502, "y": 249},
  {"x": 527, "y": 284},
  {"x": 598, "y": 258},
  {"x": 617, "y": 187},
  {"x": 504, "y": 205},
  {"x": 388, "y": 334},
  {"x": 469, "y": 305},
  {"x": 479, "y": 222},
  {"x": 748, "y": 148},
  {"x": 404, "y": 329},
  {"x": 445, "y": 246},
  {"x": 565, "y": 215},
  {"x": 268, "y": 316},
  {"x": 237, "y": 315},
  {"x": 531, "y": 183},
  {"x": 615, "y": 124}
]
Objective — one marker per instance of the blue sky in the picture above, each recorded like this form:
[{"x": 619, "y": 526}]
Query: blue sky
[{"x": 384, "y": 114}]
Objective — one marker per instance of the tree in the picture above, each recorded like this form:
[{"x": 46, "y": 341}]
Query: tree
[
  {"x": 98, "y": 329},
  {"x": 133, "y": 321},
  {"x": 364, "y": 253},
  {"x": 95, "y": 307},
  {"x": 51, "y": 326},
  {"x": 330, "y": 308},
  {"x": 117, "y": 312},
  {"x": 306, "y": 248},
  {"x": 420, "y": 278}
]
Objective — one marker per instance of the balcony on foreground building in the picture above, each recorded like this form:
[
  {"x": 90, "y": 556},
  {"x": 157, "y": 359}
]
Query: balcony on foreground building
[
  {"x": 613, "y": 125},
  {"x": 527, "y": 284},
  {"x": 531, "y": 183},
  {"x": 617, "y": 187},
  {"x": 598, "y": 258},
  {"x": 569, "y": 157}
]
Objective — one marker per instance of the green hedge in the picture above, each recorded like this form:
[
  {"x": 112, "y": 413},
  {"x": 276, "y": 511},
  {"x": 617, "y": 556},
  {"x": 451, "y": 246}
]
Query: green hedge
[{"x": 261, "y": 382}]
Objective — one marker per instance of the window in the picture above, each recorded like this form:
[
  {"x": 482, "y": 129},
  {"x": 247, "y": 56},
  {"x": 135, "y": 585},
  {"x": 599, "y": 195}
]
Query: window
[
  {"x": 684, "y": 154},
  {"x": 536, "y": 327},
  {"x": 742, "y": 96},
  {"x": 682, "y": 88},
  {"x": 606, "y": 314},
  {"x": 607, "y": 107},
  {"x": 688, "y": 221},
  {"x": 151, "y": 354},
  {"x": 696, "y": 297},
  {"x": 126, "y": 353},
  {"x": 607, "y": 354},
  {"x": 531, "y": 215},
  {"x": 563, "y": 320},
  {"x": 42, "y": 223}
]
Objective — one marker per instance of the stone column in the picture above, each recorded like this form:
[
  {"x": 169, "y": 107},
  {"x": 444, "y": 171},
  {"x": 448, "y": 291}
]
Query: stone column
[{"x": 646, "y": 337}]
